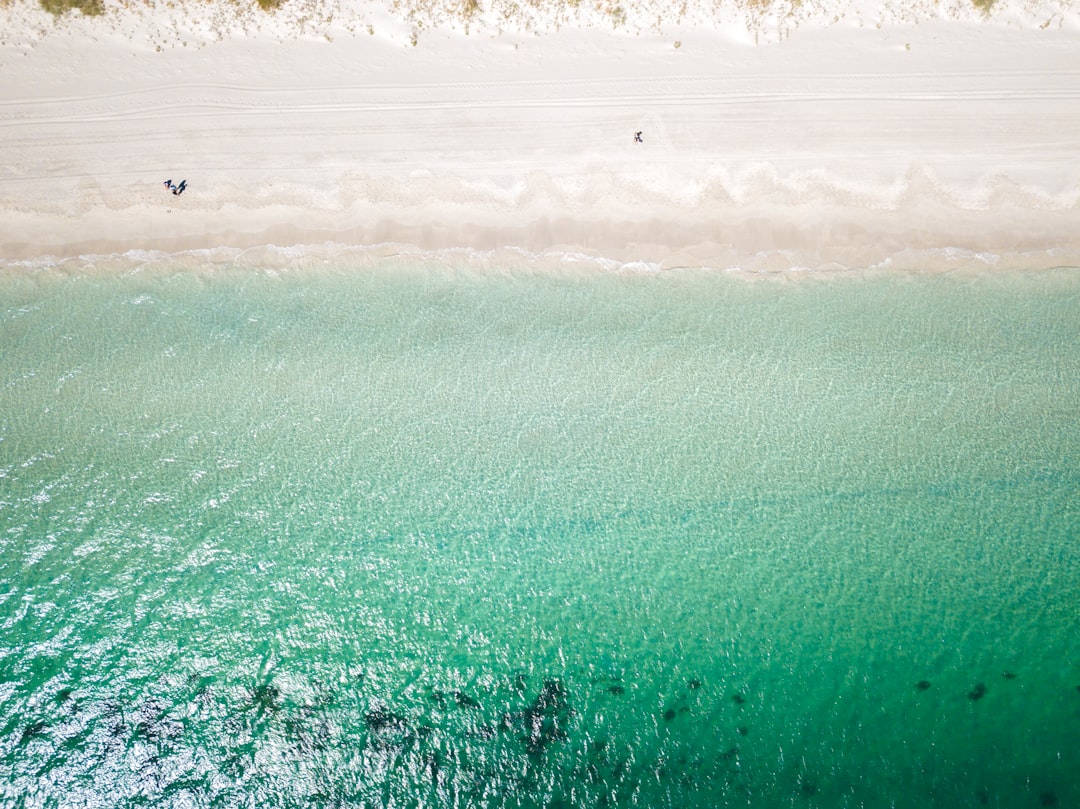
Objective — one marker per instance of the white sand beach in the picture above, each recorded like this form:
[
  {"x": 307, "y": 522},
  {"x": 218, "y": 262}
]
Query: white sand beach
[{"x": 819, "y": 136}]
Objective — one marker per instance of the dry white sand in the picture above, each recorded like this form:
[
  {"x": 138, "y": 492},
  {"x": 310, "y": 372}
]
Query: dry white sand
[{"x": 920, "y": 140}]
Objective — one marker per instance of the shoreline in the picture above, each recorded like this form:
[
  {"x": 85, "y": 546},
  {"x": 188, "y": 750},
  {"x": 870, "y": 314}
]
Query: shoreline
[
  {"x": 335, "y": 257},
  {"x": 841, "y": 146}
]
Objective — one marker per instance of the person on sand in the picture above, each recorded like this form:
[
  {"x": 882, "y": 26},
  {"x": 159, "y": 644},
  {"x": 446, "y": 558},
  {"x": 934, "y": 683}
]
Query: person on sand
[
  {"x": 169, "y": 184},
  {"x": 637, "y": 138},
  {"x": 179, "y": 189}
]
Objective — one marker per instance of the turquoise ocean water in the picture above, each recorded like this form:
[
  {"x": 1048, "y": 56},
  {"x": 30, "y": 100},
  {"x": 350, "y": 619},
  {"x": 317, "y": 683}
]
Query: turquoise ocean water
[{"x": 401, "y": 536}]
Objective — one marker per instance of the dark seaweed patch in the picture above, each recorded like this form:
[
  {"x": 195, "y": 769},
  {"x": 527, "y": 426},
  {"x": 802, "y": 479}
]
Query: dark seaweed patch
[
  {"x": 743, "y": 730},
  {"x": 923, "y": 685},
  {"x": 1008, "y": 675},
  {"x": 1048, "y": 798},
  {"x": 738, "y": 699},
  {"x": 977, "y": 693},
  {"x": 669, "y": 714},
  {"x": 694, "y": 684},
  {"x": 617, "y": 690}
]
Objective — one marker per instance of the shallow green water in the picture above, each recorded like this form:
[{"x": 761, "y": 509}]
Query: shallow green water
[{"x": 404, "y": 536}]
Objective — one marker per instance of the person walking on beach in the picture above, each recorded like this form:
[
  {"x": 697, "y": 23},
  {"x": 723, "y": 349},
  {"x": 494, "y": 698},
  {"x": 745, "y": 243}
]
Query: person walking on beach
[
  {"x": 170, "y": 185},
  {"x": 179, "y": 189},
  {"x": 637, "y": 138}
]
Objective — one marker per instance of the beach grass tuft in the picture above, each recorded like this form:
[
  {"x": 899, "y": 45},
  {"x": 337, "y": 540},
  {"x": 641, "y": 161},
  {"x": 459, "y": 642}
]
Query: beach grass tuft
[
  {"x": 91, "y": 8},
  {"x": 95, "y": 8},
  {"x": 760, "y": 16}
]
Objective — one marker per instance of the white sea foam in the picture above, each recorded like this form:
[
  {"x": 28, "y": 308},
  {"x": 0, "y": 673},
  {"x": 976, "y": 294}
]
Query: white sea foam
[{"x": 274, "y": 259}]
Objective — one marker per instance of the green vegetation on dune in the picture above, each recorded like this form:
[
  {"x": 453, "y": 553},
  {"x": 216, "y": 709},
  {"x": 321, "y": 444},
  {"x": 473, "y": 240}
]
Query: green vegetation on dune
[
  {"x": 466, "y": 9},
  {"x": 94, "y": 8},
  {"x": 90, "y": 8}
]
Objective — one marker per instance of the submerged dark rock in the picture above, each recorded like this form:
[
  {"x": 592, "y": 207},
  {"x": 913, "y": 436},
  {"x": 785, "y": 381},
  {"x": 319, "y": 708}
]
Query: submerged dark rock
[
  {"x": 464, "y": 700},
  {"x": 743, "y": 730},
  {"x": 433, "y": 764},
  {"x": 1008, "y": 675},
  {"x": 669, "y": 714},
  {"x": 1048, "y": 798},
  {"x": 309, "y": 736},
  {"x": 977, "y": 693},
  {"x": 439, "y": 698},
  {"x": 66, "y": 697},
  {"x": 694, "y": 684},
  {"x": 33, "y": 730},
  {"x": 153, "y": 722},
  {"x": 617, "y": 690},
  {"x": 113, "y": 714},
  {"x": 545, "y": 721},
  {"x": 381, "y": 719},
  {"x": 738, "y": 699},
  {"x": 552, "y": 696},
  {"x": 923, "y": 685},
  {"x": 486, "y": 732},
  {"x": 265, "y": 698}
]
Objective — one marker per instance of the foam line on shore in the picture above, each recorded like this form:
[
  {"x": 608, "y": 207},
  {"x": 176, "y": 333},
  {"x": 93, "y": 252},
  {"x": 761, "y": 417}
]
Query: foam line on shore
[{"x": 333, "y": 257}]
